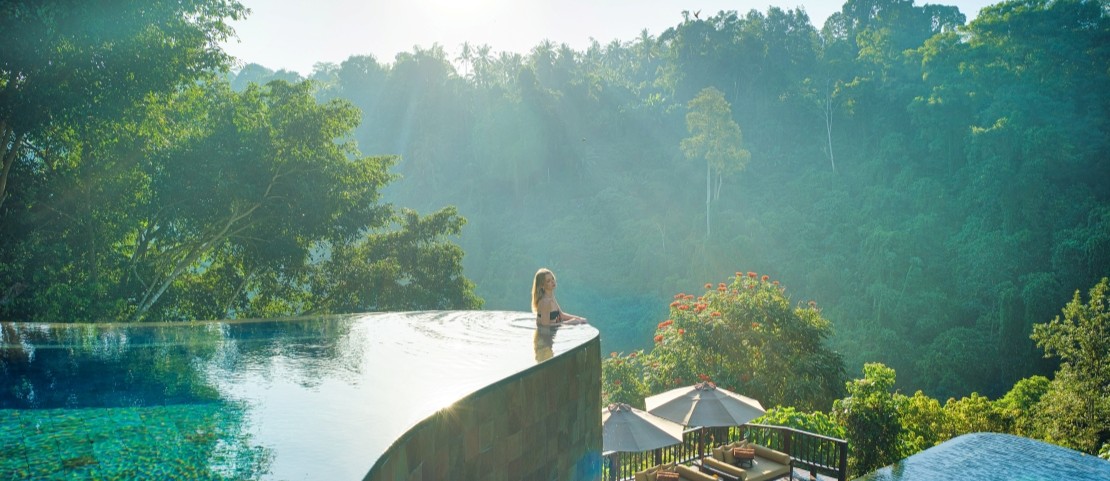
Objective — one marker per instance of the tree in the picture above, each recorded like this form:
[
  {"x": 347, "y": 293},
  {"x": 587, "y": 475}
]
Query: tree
[
  {"x": 973, "y": 414},
  {"x": 406, "y": 268},
  {"x": 716, "y": 139},
  {"x": 466, "y": 56},
  {"x": 871, "y": 420},
  {"x": 222, "y": 204},
  {"x": 1019, "y": 406},
  {"x": 248, "y": 190},
  {"x": 65, "y": 62},
  {"x": 746, "y": 337},
  {"x": 1076, "y": 408},
  {"x": 924, "y": 422}
]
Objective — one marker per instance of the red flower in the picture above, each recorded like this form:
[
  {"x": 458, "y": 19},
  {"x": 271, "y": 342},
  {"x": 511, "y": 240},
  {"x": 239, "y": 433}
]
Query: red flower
[
  {"x": 612, "y": 354},
  {"x": 680, "y": 295},
  {"x": 699, "y": 307},
  {"x": 689, "y": 296},
  {"x": 681, "y": 331},
  {"x": 775, "y": 283},
  {"x": 739, "y": 274},
  {"x": 675, "y": 304},
  {"x": 708, "y": 285},
  {"x": 755, "y": 325},
  {"x": 751, "y": 274},
  {"x": 617, "y": 382},
  {"x": 716, "y": 314},
  {"x": 683, "y": 307},
  {"x": 703, "y": 377},
  {"x": 720, "y": 285},
  {"x": 765, "y": 277},
  {"x": 722, "y": 288},
  {"x": 665, "y": 324},
  {"x": 658, "y": 338}
]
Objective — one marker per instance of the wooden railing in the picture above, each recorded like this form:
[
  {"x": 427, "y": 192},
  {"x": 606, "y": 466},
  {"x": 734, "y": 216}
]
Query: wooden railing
[{"x": 809, "y": 451}]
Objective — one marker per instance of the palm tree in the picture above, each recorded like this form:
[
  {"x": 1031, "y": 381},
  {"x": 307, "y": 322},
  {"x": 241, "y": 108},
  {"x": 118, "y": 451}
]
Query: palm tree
[
  {"x": 482, "y": 63},
  {"x": 507, "y": 66},
  {"x": 466, "y": 56}
]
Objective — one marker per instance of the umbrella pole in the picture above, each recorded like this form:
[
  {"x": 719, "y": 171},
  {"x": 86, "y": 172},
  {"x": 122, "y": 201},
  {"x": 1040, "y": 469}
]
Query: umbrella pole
[{"x": 701, "y": 442}]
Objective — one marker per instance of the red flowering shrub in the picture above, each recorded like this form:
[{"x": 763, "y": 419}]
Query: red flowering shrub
[{"x": 745, "y": 336}]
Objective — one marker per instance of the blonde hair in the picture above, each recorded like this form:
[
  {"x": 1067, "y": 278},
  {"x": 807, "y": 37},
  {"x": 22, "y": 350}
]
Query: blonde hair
[{"x": 537, "y": 287}]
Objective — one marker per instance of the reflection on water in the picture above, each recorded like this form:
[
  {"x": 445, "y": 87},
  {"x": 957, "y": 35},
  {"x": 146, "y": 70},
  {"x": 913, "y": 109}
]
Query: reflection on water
[
  {"x": 317, "y": 398},
  {"x": 543, "y": 342}
]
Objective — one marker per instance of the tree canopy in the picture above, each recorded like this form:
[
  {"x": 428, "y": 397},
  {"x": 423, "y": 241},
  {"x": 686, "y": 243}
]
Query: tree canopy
[
  {"x": 938, "y": 185},
  {"x": 153, "y": 191}
]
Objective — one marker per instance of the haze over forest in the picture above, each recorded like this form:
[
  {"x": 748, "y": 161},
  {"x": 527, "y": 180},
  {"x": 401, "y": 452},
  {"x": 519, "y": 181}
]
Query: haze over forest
[
  {"x": 936, "y": 191},
  {"x": 935, "y": 186}
]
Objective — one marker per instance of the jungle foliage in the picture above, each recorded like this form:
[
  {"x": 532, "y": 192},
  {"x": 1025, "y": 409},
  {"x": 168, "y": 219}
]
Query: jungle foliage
[
  {"x": 746, "y": 337},
  {"x": 153, "y": 191},
  {"x": 1070, "y": 409},
  {"x": 938, "y": 186}
]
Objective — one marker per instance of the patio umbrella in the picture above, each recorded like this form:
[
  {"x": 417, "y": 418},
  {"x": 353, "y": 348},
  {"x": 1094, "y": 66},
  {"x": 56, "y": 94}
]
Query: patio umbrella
[
  {"x": 625, "y": 428},
  {"x": 704, "y": 404}
]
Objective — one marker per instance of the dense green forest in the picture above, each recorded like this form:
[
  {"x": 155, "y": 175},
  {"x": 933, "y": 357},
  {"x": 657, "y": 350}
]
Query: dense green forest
[
  {"x": 929, "y": 188},
  {"x": 747, "y": 336},
  {"x": 937, "y": 186},
  {"x": 150, "y": 190}
]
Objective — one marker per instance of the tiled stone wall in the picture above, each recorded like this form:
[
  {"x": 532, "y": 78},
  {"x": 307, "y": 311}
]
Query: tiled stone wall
[{"x": 542, "y": 424}]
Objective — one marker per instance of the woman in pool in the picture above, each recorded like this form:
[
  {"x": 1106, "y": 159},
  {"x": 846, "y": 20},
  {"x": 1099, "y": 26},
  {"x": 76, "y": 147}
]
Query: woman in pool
[{"x": 544, "y": 304}]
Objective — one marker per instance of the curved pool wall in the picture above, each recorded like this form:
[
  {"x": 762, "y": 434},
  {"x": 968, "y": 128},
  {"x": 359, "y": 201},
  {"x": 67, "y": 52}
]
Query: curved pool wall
[
  {"x": 540, "y": 424},
  {"x": 462, "y": 394},
  {"x": 995, "y": 457}
]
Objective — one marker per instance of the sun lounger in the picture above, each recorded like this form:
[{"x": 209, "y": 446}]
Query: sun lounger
[{"x": 767, "y": 465}]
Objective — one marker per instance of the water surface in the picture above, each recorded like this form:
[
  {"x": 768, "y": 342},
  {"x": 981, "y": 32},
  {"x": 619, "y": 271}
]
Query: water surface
[
  {"x": 311, "y": 398},
  {"x": 995, "y": 457}
]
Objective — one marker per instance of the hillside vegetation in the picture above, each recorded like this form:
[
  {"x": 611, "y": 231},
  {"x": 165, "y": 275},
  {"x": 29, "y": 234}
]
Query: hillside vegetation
[{"x": 936, "y": 186}]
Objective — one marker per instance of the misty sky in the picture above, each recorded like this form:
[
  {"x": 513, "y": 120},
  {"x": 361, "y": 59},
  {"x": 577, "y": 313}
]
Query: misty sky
[{"x": 295, "y": 34}]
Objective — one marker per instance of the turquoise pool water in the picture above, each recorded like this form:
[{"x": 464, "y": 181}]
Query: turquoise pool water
[
  {"x": 316, "y": 398},
  {"x": 995, "y": 457}
]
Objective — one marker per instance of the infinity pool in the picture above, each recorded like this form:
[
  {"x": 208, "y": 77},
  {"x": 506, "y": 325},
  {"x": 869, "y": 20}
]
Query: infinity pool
[
  {"x": 995, "y": 457},
  {"x": 314, "y": 398}
]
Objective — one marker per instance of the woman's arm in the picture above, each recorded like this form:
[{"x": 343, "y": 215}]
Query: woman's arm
[{"x": 570, "y": 318}]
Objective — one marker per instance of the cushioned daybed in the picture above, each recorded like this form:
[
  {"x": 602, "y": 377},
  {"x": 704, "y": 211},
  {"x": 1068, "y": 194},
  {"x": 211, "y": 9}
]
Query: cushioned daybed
[{"x": 767, "y": 465}]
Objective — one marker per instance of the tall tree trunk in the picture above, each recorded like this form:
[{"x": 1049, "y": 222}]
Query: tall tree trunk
[
  {"x": 8, "y": 153},
  {"x": 708, "y": 192},
  {"x": 828, "y": 124}
]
